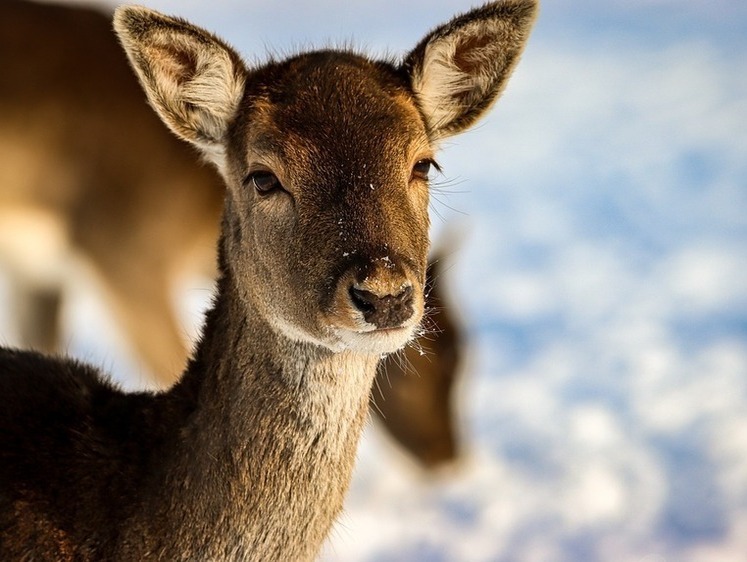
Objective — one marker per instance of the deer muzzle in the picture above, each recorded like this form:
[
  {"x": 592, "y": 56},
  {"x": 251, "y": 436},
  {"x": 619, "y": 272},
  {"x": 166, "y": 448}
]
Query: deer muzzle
[{"x": 377, "y": 305}]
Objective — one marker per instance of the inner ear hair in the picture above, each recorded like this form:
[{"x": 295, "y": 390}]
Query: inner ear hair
[
  {"x": 192, "y": 79},
  {"x": 459, "y": 69}
]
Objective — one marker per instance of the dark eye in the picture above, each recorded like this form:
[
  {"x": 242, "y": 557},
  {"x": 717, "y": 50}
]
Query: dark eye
[
  {"x": 422, "y": 169},
  {"x": 263, "y": 182}
]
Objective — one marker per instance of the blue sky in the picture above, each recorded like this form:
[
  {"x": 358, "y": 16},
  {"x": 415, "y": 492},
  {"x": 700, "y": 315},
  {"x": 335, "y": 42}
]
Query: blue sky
[{"x": 601, "y": 275}]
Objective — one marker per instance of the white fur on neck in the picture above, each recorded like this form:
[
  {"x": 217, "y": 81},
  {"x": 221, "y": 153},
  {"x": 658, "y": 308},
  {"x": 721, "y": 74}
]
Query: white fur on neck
[{"x": 336, "y": 388}]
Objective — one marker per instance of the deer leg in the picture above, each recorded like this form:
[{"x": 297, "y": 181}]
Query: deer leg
[
  {"x": 413, "y": 399},
  {"x": 413, "y": 395},
  {"x": 38, "y": 312},
  {"x": 143, "y": 308}
]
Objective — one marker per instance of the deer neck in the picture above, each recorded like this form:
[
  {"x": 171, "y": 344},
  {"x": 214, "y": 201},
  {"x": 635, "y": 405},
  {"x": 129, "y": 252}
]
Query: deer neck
[{"x": 269, "y": 444}]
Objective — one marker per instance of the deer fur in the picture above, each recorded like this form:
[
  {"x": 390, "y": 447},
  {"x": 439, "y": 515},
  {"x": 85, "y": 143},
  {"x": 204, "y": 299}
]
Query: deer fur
[{"x": 249, "y": 455}]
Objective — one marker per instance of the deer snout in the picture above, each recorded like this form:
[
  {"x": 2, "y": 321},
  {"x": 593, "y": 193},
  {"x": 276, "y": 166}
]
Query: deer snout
[
  {"x": 389, "y": 310},
  {"x": 378, "y": 297}
]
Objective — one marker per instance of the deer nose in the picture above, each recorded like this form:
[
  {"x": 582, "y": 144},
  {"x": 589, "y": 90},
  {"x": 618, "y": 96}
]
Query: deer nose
[{"x": 384, "y": 311}]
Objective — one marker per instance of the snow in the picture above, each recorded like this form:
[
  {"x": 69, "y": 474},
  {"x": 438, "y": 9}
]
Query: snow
[{"x": 602, "y": 283}]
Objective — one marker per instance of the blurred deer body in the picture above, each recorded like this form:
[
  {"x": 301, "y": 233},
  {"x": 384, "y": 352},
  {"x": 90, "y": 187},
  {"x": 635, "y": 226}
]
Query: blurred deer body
[{"x": 86, "y": 168}]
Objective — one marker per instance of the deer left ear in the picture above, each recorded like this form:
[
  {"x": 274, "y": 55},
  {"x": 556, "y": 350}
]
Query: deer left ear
[{"x": 458, "y": 70}]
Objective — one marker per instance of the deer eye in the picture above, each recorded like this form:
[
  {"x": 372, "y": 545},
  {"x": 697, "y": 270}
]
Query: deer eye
[
  {"x": 422, "y": 169},
  {"x": 263, "y": 182}
]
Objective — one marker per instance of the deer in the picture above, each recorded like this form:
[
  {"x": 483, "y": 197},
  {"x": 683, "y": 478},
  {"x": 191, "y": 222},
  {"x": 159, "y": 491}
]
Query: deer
[
  {"x": 66, "y": 81},
  {"x": 249, "y": 455}
]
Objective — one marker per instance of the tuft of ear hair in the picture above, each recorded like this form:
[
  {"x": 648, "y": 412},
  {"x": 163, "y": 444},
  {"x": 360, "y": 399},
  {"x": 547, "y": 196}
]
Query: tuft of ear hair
[
  {"x": 192, "y": 79},
  {"x": 459, "y": 69}
]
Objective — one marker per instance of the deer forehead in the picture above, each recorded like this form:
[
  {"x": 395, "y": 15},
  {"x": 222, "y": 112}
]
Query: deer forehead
[{"x": 333, "y": 117}]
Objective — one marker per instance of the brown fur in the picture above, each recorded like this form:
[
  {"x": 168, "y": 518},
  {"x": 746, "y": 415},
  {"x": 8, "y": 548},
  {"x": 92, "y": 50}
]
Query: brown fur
[{"x": 249, "y": 455}]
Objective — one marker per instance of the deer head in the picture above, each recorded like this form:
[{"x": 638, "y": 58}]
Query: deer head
[{"x": 326, "y": 157}]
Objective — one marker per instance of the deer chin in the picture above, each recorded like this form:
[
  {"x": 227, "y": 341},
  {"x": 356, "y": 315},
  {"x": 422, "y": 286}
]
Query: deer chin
[
  {"x": 381, "y": 341},
  {"x": 336, "y": 338}
]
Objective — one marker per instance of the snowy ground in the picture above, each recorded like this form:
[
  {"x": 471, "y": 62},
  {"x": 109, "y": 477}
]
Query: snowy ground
[{"x": 603, "y": 281}]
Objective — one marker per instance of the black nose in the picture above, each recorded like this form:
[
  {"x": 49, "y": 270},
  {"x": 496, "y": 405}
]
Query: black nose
[{"x": 388, "y": 311}]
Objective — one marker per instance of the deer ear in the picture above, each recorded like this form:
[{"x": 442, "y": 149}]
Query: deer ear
[
  {"x": 459, "y": 69},
  {"x": 191, "y": 78}
]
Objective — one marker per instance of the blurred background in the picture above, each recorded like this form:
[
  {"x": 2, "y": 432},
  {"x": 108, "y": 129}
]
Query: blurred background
[{"x": 600, "y": 273}]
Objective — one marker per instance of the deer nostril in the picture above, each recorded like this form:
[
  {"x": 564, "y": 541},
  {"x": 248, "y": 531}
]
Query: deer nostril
[
  {"x": 387, "y": 311},
  {"x": 363, "y": 300}
]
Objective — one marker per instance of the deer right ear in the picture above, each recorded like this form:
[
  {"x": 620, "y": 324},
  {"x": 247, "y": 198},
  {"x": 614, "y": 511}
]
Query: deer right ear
[
  {"x": 460, "y": 68},
  {"x": 192, "y": 79}
]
